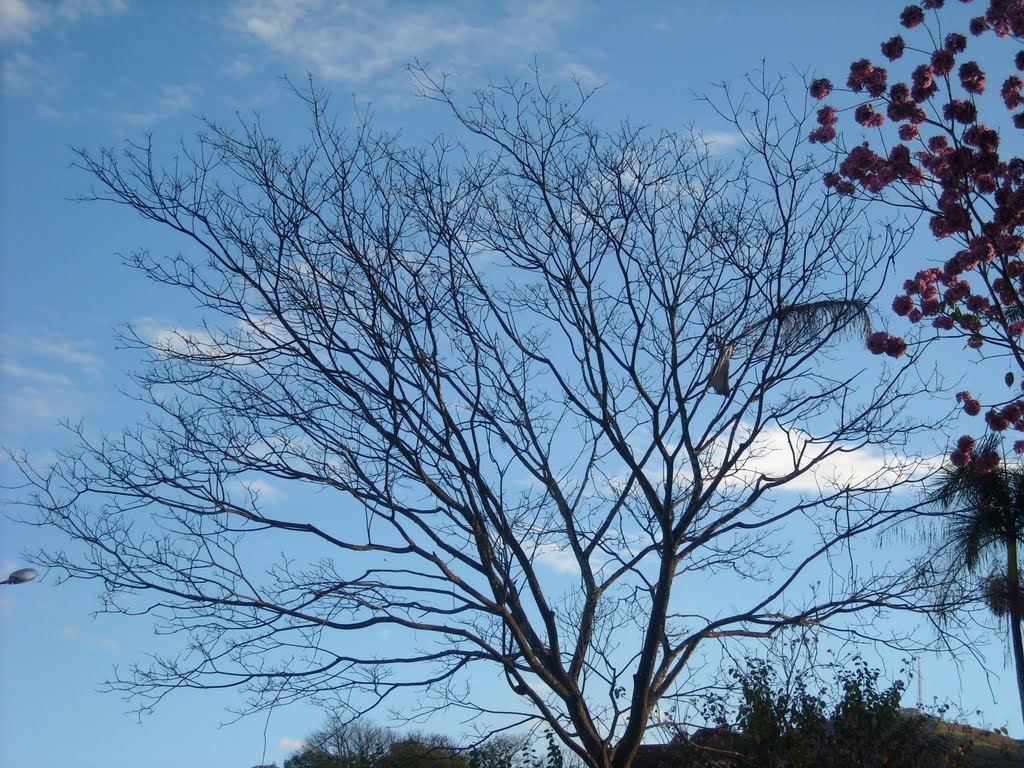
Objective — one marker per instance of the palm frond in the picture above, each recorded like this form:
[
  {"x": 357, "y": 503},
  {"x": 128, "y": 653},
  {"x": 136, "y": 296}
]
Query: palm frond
[
  {"x": 799, "y": 327},
  {"x": 985, "y": 507}
]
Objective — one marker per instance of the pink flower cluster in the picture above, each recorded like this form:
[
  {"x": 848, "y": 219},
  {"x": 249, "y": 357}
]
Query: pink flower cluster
[
  {"x": 971, "y": 405},
  {"x": 1004, "y": 17},
  {"x": 881, "y": 343},
  {"x": 964, "y": 452},
  {"x": 946, "y": 162}
]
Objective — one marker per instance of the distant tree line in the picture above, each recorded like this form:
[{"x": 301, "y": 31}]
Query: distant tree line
[
  {"x": 360, "y": 744},
  {"x": 832, "y": 715}
]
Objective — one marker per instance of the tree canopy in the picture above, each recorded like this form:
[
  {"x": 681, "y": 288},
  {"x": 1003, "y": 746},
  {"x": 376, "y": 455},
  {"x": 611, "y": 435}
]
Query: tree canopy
[{"x": 559, "y": 390}]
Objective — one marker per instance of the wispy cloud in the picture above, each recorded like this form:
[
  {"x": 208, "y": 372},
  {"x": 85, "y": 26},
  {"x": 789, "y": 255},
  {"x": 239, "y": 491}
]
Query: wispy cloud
[
  {"x": 44, "y": 379},
  {"x": 357, "y": 42},
  {"x": 24, "y": 74},
  {"x": 720, "y": 141},
  {"x": 558, "y": 558},
  {"x": 17, "y": 371},
  {"x": 92, "y": 642},
  {"x": 17, "y": 19},
  {"x": 257, "y": 490},
  {"x": 61, "y": 350},
  {"x": 173, "y": 100},
  {"x": 20, "y": 19},
  {"x": 291, "y": 745}
]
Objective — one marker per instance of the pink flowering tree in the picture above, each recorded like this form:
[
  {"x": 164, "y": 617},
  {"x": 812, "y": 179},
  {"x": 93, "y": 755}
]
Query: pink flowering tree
[{"x": 939, "y": 151}]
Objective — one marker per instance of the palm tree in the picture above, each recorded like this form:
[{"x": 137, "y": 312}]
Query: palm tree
[{"x": 985, "y": 534}]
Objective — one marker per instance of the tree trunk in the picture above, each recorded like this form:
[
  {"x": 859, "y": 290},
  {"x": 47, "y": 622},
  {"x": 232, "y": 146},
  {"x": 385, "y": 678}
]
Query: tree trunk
[{"x": 1013, "y": 588}]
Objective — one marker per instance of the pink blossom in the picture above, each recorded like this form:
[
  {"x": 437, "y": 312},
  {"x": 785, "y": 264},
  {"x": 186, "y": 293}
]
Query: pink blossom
[
  {"x": 959, "y": 459},
  {"x": 1018, "y": 447},
  {"x": 955, "y": 43},
  {"x": 906, "y": 110},
  {"x": 877, "y": 342},
  {"x": 827, "y": 116},
  {"x": 978, "y": 25},
  {"x": 958, "y": 290},
  {"x": 971, "y": 406},
  {"x": 1006, "y": 18},
  {"x": 822, "y": 134},
  {"x": 908, "y": 132},
  {"x": 911, "y": 16},
  {"x": 865, "y": 76},
  {"x": 943, "y": 323},
  {"x": 1012, "y": 411},
  {"x": 942, "y": 62},
  {"x": 892, "y": 49},
  {"x": 996, "y": 420},
  {"x": 895, "y": 347},
  {"x": 977, "y": 304},
  {"x": 929, "y": 4},
  {"x": 981, "y": 248},
  {"x": 924, "y": 84},
  {"x": 982, "y": 137},
  {"x": 972, "y": 78},
  {"x": 899, "y": 92},
  {"x": 859, "y": 72},
  {"x": 976, "y": 342},
  {"x": 1018, "y": 60},
  {"x": 865, "y": 115},
  {"x": 986, "y": 185},
  {"x": 902, "y": 305},
  {"x": 1011, "y": 91},
  {"x": 966, "y": 444},
  {"x": 821, "y": 88},
  {"x": 1010, "y": 245},
  {"x": 987, "y": 462}
]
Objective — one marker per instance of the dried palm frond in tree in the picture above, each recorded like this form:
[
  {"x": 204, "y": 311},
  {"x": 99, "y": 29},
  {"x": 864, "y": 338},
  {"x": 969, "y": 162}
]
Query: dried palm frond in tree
[{"x": 796, "y": 329}]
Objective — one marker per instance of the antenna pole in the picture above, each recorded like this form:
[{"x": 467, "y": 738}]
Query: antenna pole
[{"x": 920, "y": 686}]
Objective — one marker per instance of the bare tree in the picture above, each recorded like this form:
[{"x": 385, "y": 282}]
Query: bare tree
[{"x": 544, "y": 345}]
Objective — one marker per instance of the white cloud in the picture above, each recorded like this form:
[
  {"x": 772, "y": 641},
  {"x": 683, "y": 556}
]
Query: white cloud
[
  {"x": 261, "y": 489},
  {"x": 558, "y": 558},
  {"x": 357, "y": 42},
  {"x": 719, "y": 141},
  {"x": 776, "y": 452},
  {"x": 172, "y": 100},
  {"x": 291, "y": 745},
  {"x": 584, "y": 75},
  {"x": 19, "y": 19}
]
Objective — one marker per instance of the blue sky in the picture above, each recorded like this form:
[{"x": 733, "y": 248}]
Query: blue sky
[{"x": 95, "y": 72}]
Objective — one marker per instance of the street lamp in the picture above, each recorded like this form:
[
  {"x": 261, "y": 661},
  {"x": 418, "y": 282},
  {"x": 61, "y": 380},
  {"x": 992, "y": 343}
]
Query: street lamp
[{"x": 20, "y": 576}]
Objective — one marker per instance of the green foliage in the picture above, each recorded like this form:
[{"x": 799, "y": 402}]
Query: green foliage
[
  {"x": 780, "y": 727},
  {"x": 547, "y": 755},
  {"x": 314, "y": 757}
]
